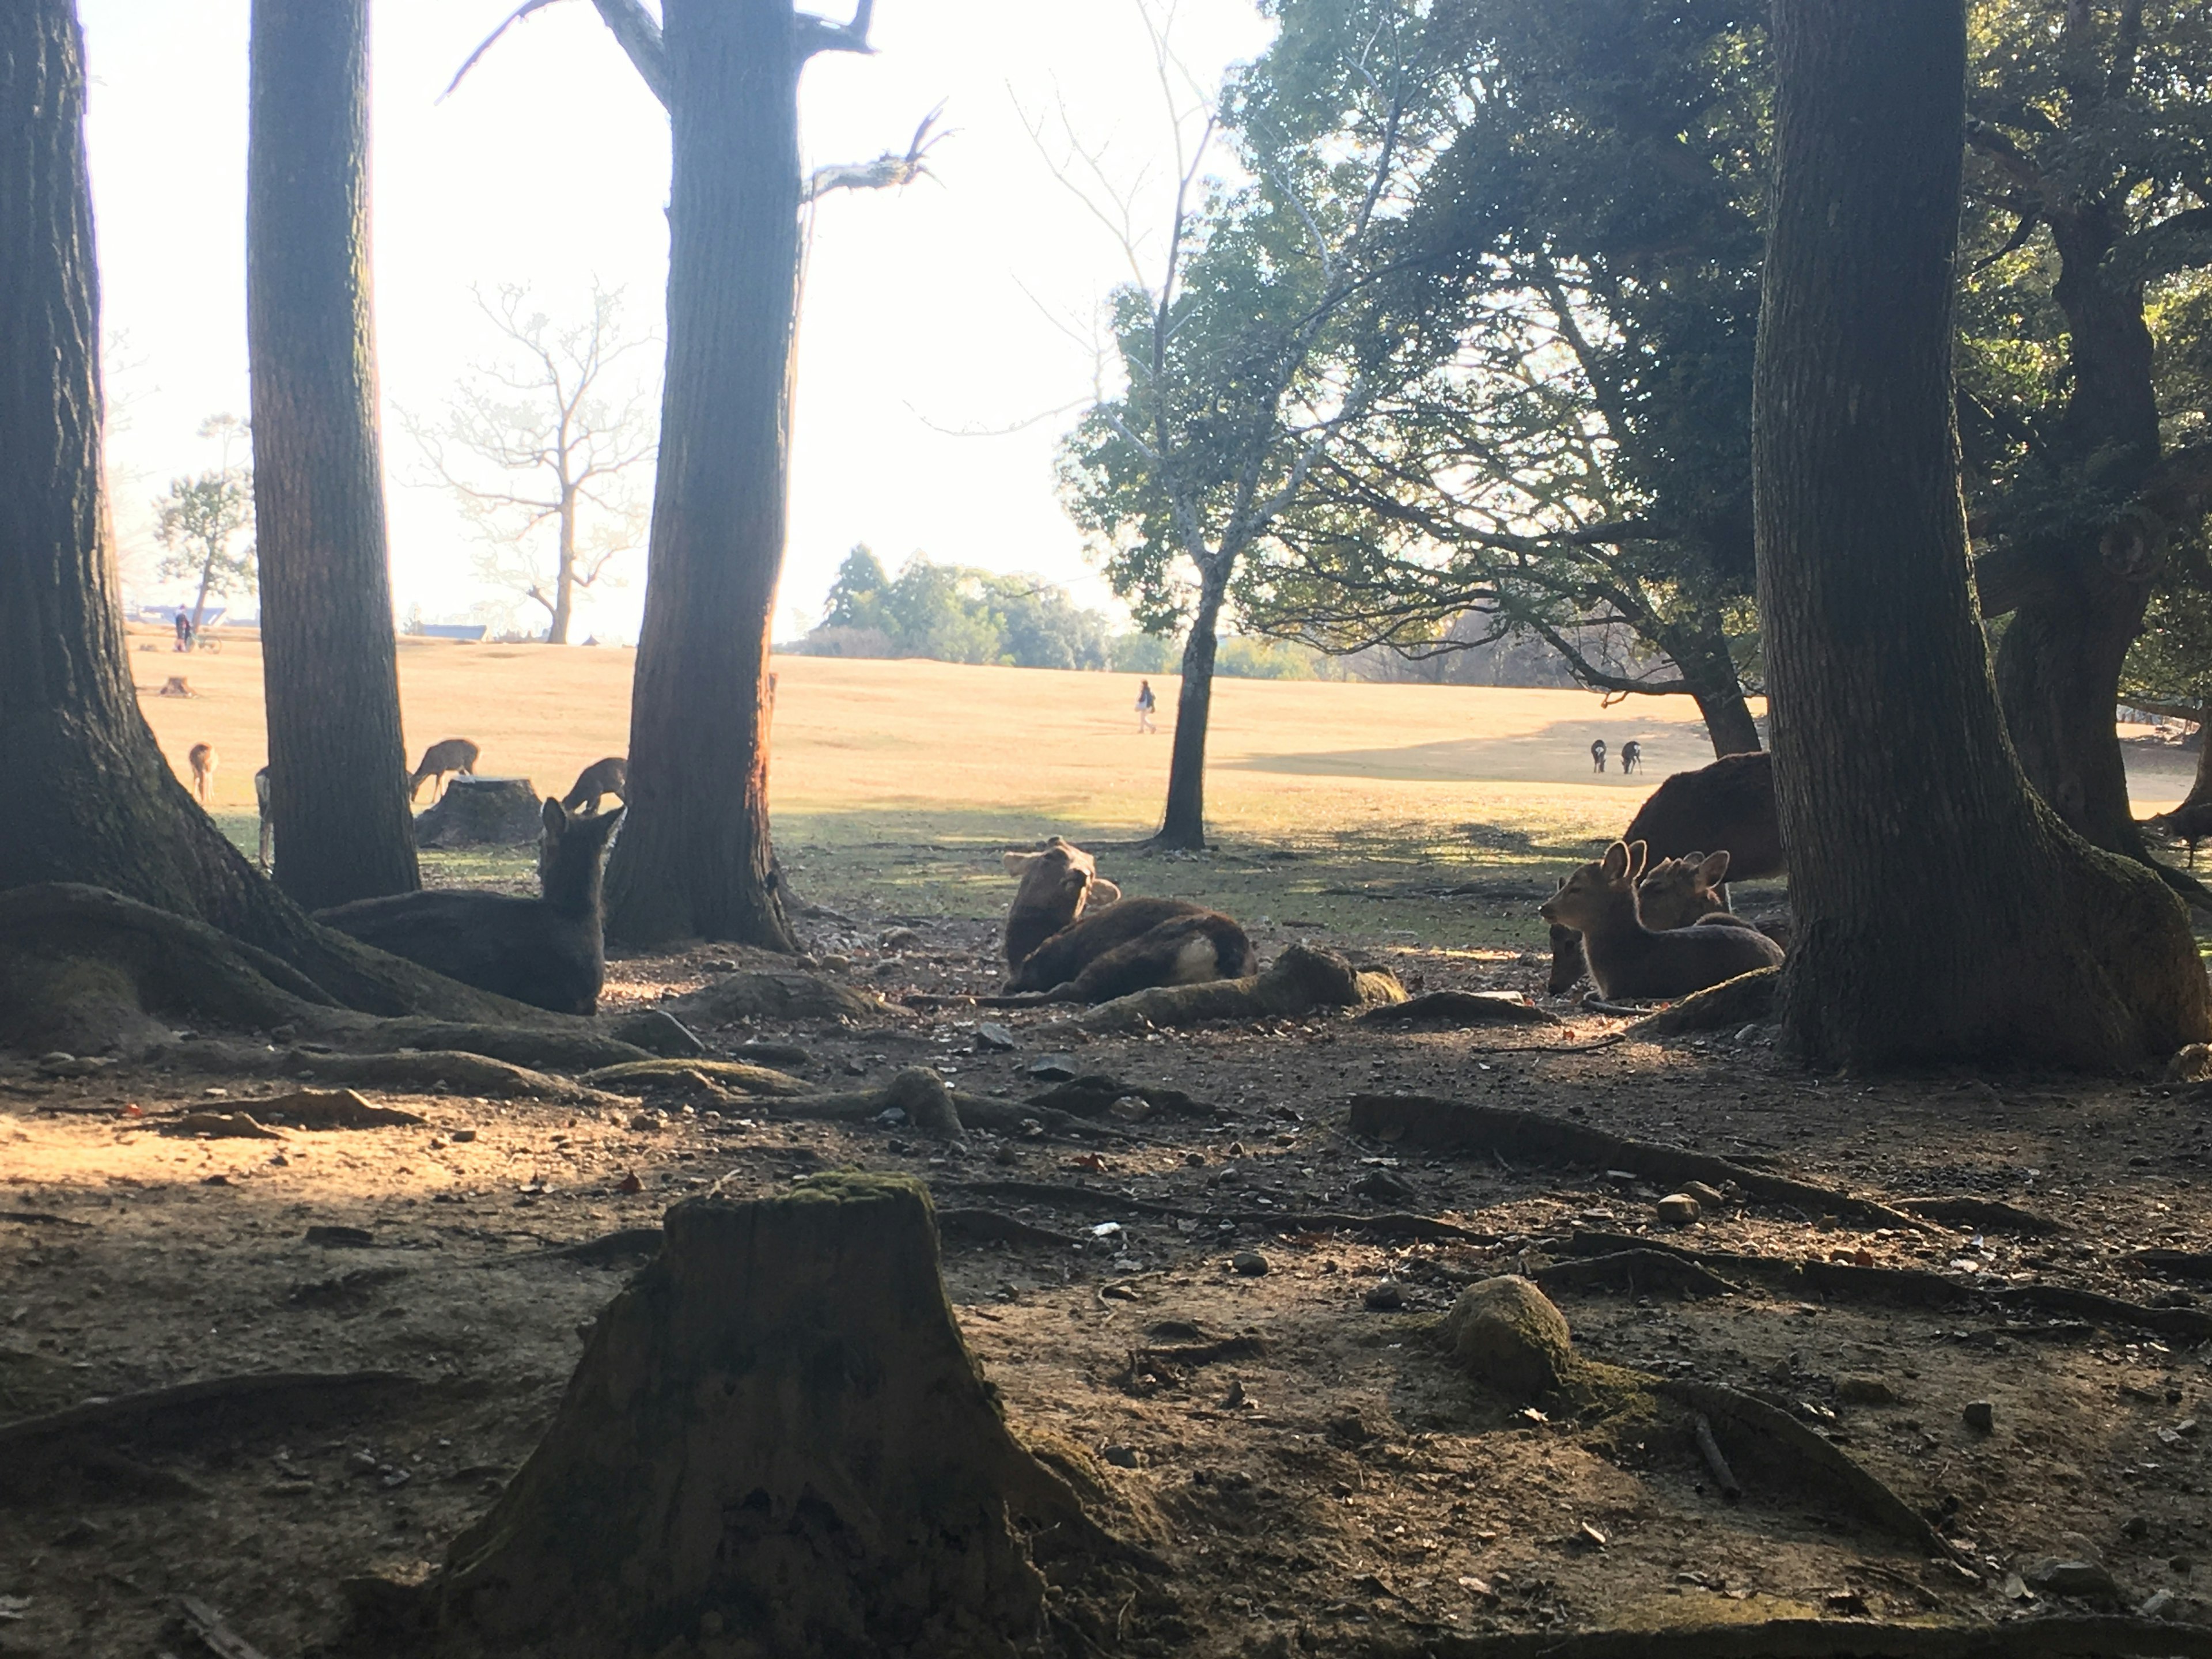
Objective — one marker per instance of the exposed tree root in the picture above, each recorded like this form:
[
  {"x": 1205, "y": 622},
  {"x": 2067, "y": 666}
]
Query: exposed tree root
[
  {"x": 2062, "y": 1637},
  {"x": 1392, "y": 1224},
  {"x": 1094, "y": 1096},
  {"x": 1982, "y": 1214},
  {"x": 776, "y": 995},
  {"x": 637, "y": 1077},
  {"x": 1459, "y": 1009},
  {"x": 63, "y": 1452},
  {"x": 2178, "y": 1264},
  {"x": 989, "y": 1227},
  {"x": 1756, "y": 1435},
  {"x": 1444, "y": 1125},
  {"x": 411, "y": 1070},
  {"x": 1745, "y": 1000},
  {"x": 576, "y": 1050},
  {"x": 1908, "y": 1288},
  {"x": 1634, "y": 1272}
]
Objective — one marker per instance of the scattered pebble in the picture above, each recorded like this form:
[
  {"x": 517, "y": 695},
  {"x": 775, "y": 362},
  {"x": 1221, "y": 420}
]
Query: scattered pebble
[
  {"x": 1980, "y": 1415},
  {"x": 1250, "y": 1262},
  {"x": 1384, "y": 1296},
  {"x": 1708, "y": 1198},
  {"x": 1122, "y": 1457},
  {"x": 1677, "y": 1209}
]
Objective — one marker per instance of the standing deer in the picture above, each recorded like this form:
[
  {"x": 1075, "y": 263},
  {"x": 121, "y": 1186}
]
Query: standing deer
[
  {"x": 1632, "y": 755},
  {"x": 261, "y": 800},
  {"x": 600, "y": 779},
  {"x": 455, "y": 755},
  {"x": 1597, "y": 753},
  {"x": 203, "y": 757}
]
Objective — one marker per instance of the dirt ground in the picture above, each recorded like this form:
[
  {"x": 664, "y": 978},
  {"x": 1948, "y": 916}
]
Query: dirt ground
[{"x": 1330, "y": 1485}]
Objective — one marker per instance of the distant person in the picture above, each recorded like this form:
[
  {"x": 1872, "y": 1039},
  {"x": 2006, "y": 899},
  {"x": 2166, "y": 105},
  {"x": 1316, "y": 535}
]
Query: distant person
[
  {"x": 1632, "y": 755},
  {"x": 1146, "y": 704},
  {"x": 1597, "y": 753},
  {"x": 184, "y": 630}
]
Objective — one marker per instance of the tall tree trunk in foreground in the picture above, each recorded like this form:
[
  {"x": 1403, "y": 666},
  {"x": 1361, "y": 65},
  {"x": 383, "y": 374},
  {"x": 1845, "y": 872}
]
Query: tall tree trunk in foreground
[
  {"x": 337, "y": 794},
  {"x": 1182, "y": 828},
  {"x": 695, "y": 857},
  {"x": 100, "y": 805},
  {"x": 1943, "y": 911}
]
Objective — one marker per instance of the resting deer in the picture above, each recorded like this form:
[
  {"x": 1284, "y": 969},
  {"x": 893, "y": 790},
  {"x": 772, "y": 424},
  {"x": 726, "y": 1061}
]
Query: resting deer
[
  {"x": 1629, "y": 960},
  {"x": 454, "y": 755},
  {"x": 202, "y": 758},
  {"x": 1729, "y": 804},
  {"x": 1127, "y": 945},
  {"x": 601, "y": 778},
  {"x": 1673, "y": 893},
  {"x": 548, "y": 952}
]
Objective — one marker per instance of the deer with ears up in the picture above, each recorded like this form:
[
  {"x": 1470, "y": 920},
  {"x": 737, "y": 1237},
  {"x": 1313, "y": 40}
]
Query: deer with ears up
[{"x": 1629, "y": 960}]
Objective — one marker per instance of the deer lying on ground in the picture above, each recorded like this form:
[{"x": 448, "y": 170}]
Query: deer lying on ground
[
  {"x": 601, "y": 778},
  {"x": 1630, "y": 960},
  {"x": 261, "y": 801},
  {"x": 1673, "y": 893},
  {"x": 1054, "y": 950},
  {"x": 455, "y": 755},
  {"x": 202, "y": 758},
  {"x": 1729, "y": 804},
  {"x": 548, "y": 952}
]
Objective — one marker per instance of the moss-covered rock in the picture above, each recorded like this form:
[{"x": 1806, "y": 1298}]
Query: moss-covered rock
[{"x": 1506, "y": 1334}]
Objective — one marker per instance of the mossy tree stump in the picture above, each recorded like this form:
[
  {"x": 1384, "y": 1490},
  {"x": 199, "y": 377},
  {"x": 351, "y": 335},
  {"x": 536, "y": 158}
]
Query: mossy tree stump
[
  {"x": 481, "y": 811},
  {"x": 776, "y": 1444}
]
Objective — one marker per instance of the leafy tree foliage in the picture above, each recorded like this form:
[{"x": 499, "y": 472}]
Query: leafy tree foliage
[
  {"x": 199, "y": 523},
  {"x": 956, "y": 614}
]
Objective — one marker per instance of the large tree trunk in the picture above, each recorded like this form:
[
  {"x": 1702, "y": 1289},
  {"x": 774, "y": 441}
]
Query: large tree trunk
[
  {"x": 1701, "y": 652},
  {"x": 337, "y": 790},
  {"x": 105, "y": 809},
  {"x": 2058, "y": 664},
  {"x": 1183, "y": 826},
  {"x": 695, "y": 859},
  {"x": 1943, "y": 911}
]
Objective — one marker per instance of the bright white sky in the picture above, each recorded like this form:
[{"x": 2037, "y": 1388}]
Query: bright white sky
[{"x": 949, "y": 305}]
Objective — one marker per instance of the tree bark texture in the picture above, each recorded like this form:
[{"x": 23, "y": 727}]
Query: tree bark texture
[
  {"x": 1943, "y": 912},
  {"x": 564, "y": 582},
  {"x": 1183, "y": 826},
  {"x": 2058, "y": 664},
  {"x": 104, "y": 809},
  {"x": 695, "y": 857},
  {"x": 337, "y": 790}
]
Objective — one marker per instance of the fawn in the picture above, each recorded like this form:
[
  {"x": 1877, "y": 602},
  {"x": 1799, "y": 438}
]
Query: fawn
[
  {"x": 1629, "y": 960},
  {"x": 1127, "y": 945},
  {"x": 455, "y": 755},
  {"x": 202, "y": 758}
]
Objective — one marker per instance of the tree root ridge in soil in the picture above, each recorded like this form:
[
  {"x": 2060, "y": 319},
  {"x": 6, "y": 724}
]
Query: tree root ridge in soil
[
  {"x": 1390, "y": 1224},
  {"x": 1907, "y": 1287},
  {"x": 776, "y": 1435},
  {"x": 1458, "y": 1009},
  {"x": 413, "y": 1070},
  {"x": 2090, "y": 1637},
  {"x": 1445, "y": 1125}
]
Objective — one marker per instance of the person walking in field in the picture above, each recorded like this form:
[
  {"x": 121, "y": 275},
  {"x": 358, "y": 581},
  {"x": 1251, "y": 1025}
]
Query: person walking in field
[
  {"x": 184, "y": 631},
  {"x": 1146, "y": 704}
]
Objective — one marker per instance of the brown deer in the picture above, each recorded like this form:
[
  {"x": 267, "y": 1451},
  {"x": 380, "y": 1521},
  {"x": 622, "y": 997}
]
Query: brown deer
[
  {"x": 454, "y": 755},
  {"x": 1673, "y": 893},
  {"x": 1629, "y": 960},
  {"x": 1729, "y": 804},
  {"x": 202, "y": 758},
  {"x": 1631, "y": 756},
  {"x": 1127, "y": 945},
  {"x": 2189, "y": 822},
  {"x": 1597, "y": 754},
  {"x": 600, "y": 779},
  {"x": 261, "y": 800},
  {"x": 548, "y": 952}
]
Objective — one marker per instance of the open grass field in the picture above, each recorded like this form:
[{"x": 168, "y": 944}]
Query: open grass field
[{"x": 1350, "y": 808}]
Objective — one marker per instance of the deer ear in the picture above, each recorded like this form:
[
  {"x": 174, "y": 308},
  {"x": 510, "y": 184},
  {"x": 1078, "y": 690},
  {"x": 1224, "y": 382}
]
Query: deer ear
[
  {"x": 555, "y": 816},
  {"x": 1714, "y": 871},
  {"x": 1018, "y": 862},
  {"x": 1614, "y": 865},
  {"x": 1637, "y": 852},
  {"x": 1103, "y": 892}
]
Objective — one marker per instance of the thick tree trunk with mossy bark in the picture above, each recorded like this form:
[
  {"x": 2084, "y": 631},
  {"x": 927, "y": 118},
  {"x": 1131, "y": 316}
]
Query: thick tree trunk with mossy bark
[
  {"x": 694, "y": 860},
  {"x": 103, "y": 807},
  {"x": 775, "y": 1442},
  {"x": 2003, "y": 935},
  {"x": 337, "y": 793},
  {"x": 1183, "y": 826}
]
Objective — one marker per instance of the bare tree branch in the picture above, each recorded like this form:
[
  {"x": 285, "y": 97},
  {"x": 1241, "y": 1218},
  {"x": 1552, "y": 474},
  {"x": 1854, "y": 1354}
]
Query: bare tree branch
[
  {"x": 639, "y": 36},
  {"x": 512, "y": 18},
  {"x": 820, "y": 34},
  {"x": 890, "y": 171}
]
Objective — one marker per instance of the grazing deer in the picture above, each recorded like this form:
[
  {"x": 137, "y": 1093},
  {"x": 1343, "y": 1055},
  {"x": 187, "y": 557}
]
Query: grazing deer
[
  {"x": 1679, "y": 892},
  {"x": 1631, "y": 756},
  {"x": 601, "y": 778},
  {"x": 261, "y": 800},
  {"x": 455, "y": 755},
  {"x": 1597, "y": 753},
  {"x": 2189, "y": 822},
  {"x": 548, "y": 952},
  {"x": 1629, "y": 960},
  {"x": 204, "y": 760},
  {"x": 1127, "y": 945}
]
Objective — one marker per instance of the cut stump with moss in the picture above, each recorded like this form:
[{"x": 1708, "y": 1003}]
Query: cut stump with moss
[{"x": 776, "y": 1442}]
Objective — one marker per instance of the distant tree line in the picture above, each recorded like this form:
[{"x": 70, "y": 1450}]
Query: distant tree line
[{"x": 955, "y": 613}]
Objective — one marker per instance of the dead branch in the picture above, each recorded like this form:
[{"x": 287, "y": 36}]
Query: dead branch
[{"x": 890, "y": 171}]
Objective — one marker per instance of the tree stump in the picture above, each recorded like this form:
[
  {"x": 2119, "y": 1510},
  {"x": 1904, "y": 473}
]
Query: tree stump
[
  {"x": 475, "y": 811},
  {"x": 776, "y": 1444}
]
